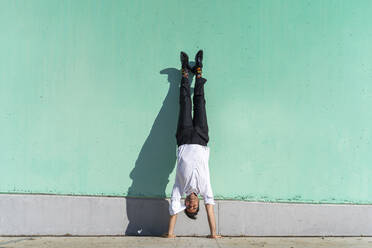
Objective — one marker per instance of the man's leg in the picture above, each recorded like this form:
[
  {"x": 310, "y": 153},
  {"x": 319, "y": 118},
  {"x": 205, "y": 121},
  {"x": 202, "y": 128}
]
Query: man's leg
[
  {"x": 185, "y": 124},
  {"x": 200, "y": 114}
]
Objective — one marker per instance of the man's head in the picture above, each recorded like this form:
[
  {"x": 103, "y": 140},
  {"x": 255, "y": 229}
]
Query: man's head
[{"x": 192, "y": 206}]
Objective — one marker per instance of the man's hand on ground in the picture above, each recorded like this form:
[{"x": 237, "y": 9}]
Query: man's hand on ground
[
  {"x": 167, "y": 235},
  {"x": 214, "y": 236}
]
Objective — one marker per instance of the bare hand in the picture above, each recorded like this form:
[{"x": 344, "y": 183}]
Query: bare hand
[
  {"x": 214, "y": 236},
  {"x": 167, "y": 235}
]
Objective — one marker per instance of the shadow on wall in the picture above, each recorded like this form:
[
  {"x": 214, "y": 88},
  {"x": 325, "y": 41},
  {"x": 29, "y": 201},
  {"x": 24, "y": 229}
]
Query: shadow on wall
[{"x": 154, "y": 164}]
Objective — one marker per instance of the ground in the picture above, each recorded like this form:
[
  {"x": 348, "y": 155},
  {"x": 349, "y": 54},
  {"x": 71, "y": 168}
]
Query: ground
[{"x": 138, "y": 242}]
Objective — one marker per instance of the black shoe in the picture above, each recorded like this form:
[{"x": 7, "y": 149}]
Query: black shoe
[
  {"x": 198, "y": 61},
  {"x": 185, "y": 61}
]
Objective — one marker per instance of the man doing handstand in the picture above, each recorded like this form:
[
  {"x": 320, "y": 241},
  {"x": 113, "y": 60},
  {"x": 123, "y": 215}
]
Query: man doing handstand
[{"x": 192, "y": 175}]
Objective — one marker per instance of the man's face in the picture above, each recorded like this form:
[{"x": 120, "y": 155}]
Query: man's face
[{"x": 192, "y": 203}]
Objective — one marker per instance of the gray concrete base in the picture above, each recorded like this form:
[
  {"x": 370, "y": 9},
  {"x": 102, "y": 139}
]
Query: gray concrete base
[
  {"x": 86, "y": 215},
  {"x": 182, "y": 242}
]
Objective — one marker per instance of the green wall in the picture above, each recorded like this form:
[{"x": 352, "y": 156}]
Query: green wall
[{"x": 89, "y": 97}]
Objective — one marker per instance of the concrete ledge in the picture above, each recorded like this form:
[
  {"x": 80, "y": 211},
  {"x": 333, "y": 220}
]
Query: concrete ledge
[
  {"x": 26, "y": 214},
  {"x": 285, "y": 219}
]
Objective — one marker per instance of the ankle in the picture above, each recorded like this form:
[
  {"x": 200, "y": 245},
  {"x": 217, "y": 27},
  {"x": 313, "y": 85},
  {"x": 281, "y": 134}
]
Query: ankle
[
  {"x": 185, "y": 73},
  {"x": 198, "y": 72}
]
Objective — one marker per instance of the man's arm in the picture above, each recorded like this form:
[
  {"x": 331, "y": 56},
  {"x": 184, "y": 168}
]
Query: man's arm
[
  {"x": 172, "y": 224},
  {"x": 211, "y": 221}
]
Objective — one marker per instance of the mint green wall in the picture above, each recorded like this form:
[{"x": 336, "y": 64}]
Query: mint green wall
[{"x": 88, "y": 96}]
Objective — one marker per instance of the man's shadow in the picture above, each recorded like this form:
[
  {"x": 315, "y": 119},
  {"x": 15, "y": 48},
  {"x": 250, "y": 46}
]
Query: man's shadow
[{"x": 155, "y": 162}]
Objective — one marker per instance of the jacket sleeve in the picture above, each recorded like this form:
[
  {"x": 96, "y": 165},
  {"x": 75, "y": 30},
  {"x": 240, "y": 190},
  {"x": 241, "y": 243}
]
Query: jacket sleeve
[
  {"x": 207, "y": 191},
  {"x": 208, "y": 194},
  {"x": 176, "y": 205}
]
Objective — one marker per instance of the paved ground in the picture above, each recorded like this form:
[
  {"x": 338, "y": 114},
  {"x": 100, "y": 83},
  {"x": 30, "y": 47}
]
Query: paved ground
[{"x": 138, "y": 242}]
